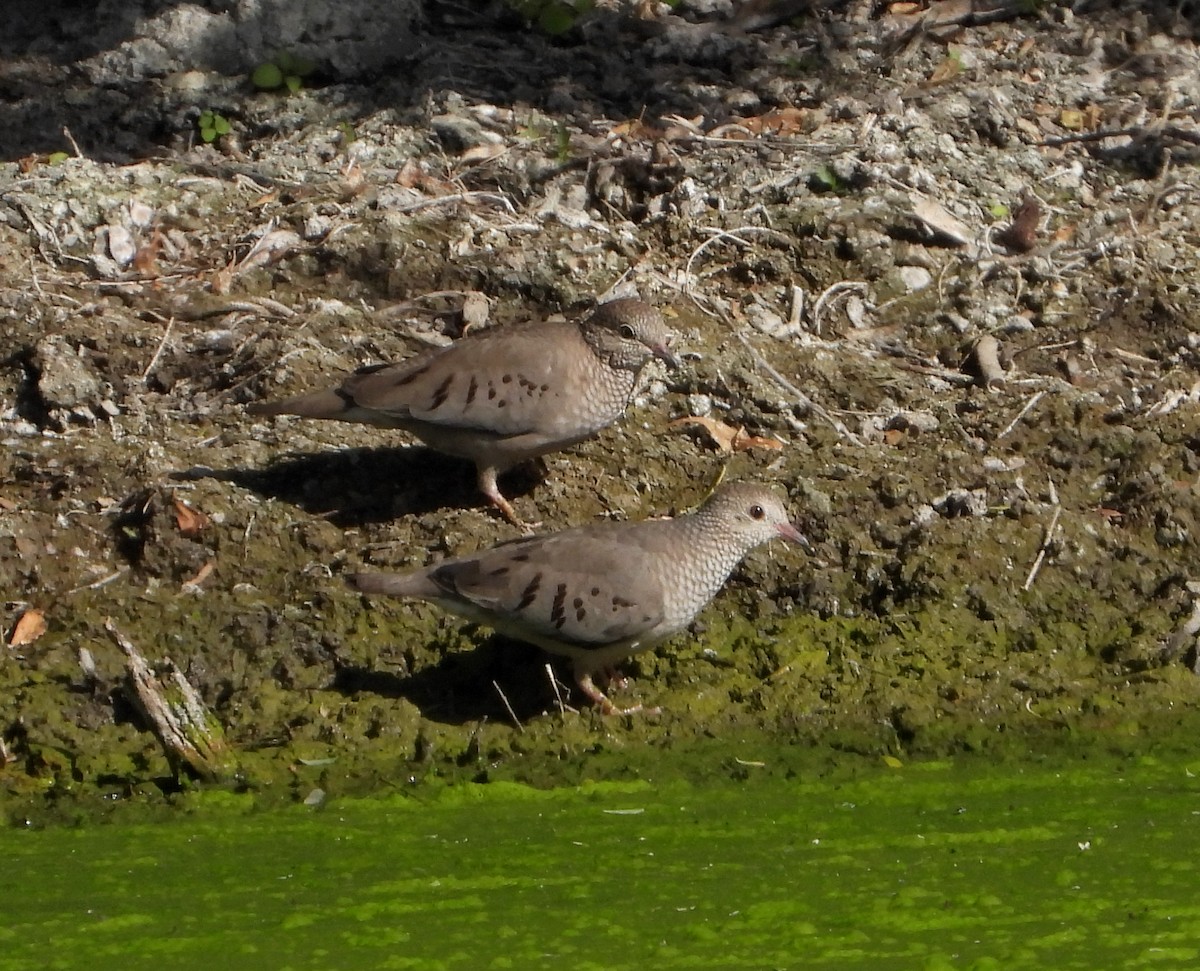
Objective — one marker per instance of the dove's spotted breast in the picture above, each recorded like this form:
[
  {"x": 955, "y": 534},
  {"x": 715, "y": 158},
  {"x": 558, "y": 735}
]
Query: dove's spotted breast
[
  {"x": 504, "y": 395},
  {"x": 599, "y": 593}
]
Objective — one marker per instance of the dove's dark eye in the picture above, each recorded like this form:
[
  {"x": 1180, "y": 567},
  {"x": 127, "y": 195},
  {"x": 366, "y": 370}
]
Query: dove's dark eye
[
  {"x": 757, "y": 512},
  {"x": 627, "y": 332}
]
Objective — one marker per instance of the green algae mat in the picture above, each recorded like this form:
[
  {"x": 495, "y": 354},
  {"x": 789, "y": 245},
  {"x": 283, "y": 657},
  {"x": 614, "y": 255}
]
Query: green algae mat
[{"x": 1088, "y": 865}]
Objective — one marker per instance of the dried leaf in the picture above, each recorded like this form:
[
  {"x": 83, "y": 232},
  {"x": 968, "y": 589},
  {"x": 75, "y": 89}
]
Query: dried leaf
[
  {"x": 190, "y": 521},
  {"x": 30, "y": 626},
  {"x": 636, "y": 129},
  {"x": 271, "y": 248},
  {"x": 413, "y": 176},
  {"x": 940, "y": 221},
  {"x": 146, "y": 258},
  {"x": 726, "y": 438},
  {"x": 1020, "y": 235},
  {"x": 893, "y": 436},
  {"x": 409, "y": 175},
  {"x": 121, "y": 246},
  {"x": 482, "y": 153},
  {"x": 782, "y": 121},
  {"x": 475, "y": 310},
  {"x": 267, "y": 250},
  {"x": 266, "y": 199},
  {"x": 201, "y": 574},
  {"x": 222, "y": 280},
  {"x": 1072, "y": 119},
  {"x": 743, "y": 442},
  {"x": 948, "y": 69}
]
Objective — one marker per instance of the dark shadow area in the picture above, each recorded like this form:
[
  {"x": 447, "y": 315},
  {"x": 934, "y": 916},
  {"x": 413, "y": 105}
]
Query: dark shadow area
[
  {"x": 353, "y": 486},
  {"x": 462, "y": 686},
  {"x": 114, "y": 74}
]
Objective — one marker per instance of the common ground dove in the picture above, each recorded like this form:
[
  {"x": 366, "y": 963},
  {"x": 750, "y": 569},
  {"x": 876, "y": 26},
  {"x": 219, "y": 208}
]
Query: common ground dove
[
  {"x": 502, "y": 396},
  {"x": 601, "y": 592}
]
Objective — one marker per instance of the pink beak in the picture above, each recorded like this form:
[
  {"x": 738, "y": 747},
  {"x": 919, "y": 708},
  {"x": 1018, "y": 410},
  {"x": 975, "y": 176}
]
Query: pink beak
[{"x": 793, "y": 535}]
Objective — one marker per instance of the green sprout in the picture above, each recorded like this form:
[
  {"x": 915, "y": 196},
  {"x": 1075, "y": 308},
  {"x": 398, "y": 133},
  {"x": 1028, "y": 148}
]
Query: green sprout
[
  {"x": 824, "y": 179},
  {"x": 562, "y": 143},
  {"x": 553, "y": 16},
  {"x": 541, "y": 131},
  {"x": 212, "y": 126},
  {"x": 282, "y": 71},
  {"x": 54, "y": 158}
]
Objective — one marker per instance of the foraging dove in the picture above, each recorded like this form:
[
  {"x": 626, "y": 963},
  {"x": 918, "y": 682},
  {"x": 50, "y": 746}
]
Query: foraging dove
[
  {"x": 601, "y": 592},
  {"x": 502, "y": 396}
]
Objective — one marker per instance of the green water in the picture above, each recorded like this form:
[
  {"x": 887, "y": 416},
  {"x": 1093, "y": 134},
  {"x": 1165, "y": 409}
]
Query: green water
[{"x": 931, "y": 866}]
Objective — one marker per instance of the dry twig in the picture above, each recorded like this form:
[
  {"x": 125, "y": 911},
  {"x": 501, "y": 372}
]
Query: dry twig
[
  {"x": 1029, "y": 405},
  {"x": 507, "y": 707},
  {"x": 189, "y": 733},
  {"x": 1047, "y": 540}
]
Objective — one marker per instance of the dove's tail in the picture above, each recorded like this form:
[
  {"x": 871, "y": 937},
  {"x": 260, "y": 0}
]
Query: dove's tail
[
  {"x": 319, "y": 404},
  {"x": 394, "y": 584}
]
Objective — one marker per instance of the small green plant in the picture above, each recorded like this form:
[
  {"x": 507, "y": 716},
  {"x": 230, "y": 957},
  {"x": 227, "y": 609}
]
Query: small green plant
[
  {"x": 349, "y": 135},
  {"x": 212, "y": 126},
  {"x": 798, "y": 66},
  {"x": 824, "y": 179},
  {"x": 553, "y": 16},
  {"x": 562, "y": 143},
  {"x": 539, "y": 131},
  {"x": 282, "y": 71},
  {"x": 54, "y": 158}
]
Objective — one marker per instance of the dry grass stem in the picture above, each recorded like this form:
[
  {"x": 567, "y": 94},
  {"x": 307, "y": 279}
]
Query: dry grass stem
[
  {"x": 1047, "y": 539},
  {"x": 1029, "y": 406},
  {"x": 507, "y": 707}
]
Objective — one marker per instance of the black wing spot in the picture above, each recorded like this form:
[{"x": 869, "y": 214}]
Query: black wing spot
[
  {"x": 557, "y": 613},
  {"x": 472, "y": 388},
  {"x": 442, "y": 392},
  {"x": 400, "y": 382},
  {"x": 530, "y": 593},
  {"x": 499, "y": 572}
]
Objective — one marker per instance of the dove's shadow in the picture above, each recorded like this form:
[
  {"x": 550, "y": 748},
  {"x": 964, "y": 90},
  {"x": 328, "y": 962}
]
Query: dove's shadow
[
  {"x": 352, "y": 486},
  {"x": 500, "y": 679}
]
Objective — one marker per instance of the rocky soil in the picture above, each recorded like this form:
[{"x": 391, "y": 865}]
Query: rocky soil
[{"x": 939, "y": 263}]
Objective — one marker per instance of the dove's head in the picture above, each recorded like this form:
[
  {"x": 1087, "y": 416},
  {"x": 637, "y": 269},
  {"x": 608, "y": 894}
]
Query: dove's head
[
  {"x": 627, "y": 332},
  {"x": 749, "y": 514}
]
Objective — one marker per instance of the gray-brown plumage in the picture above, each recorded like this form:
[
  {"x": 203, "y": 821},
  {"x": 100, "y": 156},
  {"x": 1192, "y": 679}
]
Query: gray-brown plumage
[
  {"x": 599, "y": 593},
  {"x": 502, "y": 396}
]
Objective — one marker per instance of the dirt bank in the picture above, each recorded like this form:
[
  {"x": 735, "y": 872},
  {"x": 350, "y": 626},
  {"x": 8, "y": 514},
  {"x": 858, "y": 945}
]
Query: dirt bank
[{"x": 950, "y": 271}]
